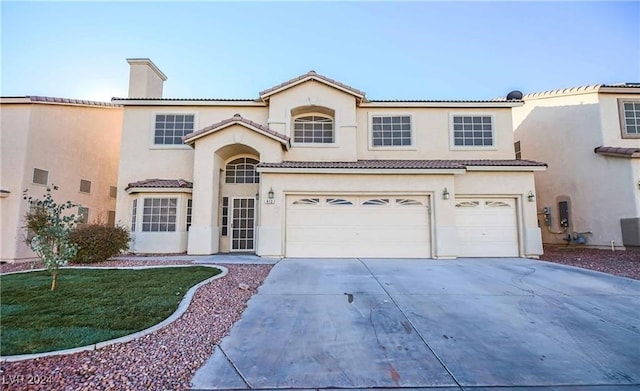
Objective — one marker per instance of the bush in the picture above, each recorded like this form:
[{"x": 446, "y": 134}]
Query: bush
[{"x": 99, "y": 242}]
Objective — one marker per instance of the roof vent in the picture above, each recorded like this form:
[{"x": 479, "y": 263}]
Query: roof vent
[{"x": 514, "y": 95}]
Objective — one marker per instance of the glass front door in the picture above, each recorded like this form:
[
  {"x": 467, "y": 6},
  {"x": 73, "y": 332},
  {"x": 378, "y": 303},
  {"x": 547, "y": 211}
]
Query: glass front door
[{"x": 242, "y": 224}]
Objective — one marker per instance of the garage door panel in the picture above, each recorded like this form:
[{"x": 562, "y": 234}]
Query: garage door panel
[
  {"x": 370, "y": 227},
  {"x": 487, "y": 228}
]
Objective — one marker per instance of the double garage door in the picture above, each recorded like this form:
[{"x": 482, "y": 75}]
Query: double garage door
[{"x": 357, "y": 226}]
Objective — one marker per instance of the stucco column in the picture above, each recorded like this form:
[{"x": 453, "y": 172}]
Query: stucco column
[{"x": 204, "y": 230}]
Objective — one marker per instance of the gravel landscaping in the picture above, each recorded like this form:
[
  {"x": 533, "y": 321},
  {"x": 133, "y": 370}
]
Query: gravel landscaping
[{"x": 167, "y": 359}]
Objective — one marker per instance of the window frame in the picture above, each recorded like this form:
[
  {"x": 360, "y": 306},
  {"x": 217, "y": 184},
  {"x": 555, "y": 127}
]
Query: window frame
[
  {"x": 517, "y": 149},
  {"x": 85, "y": 181},
  {"x": 152, "y": 133},
  {"x": 413, "y": 133},
  {"x": 33, "y": 178},
  {"x": 313, "y": 144},
  {"x": 494, "y": 133},
  {"x": 176, "y": 223},
  {"x": 622, "y": 119},
  {"x": 226, "y": 164},
  {"x": 81, "y": 214}
]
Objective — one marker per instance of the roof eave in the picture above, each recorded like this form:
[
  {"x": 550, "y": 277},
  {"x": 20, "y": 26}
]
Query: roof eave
[
  {"x": 506, "y": 168},
  {"x": 191, "y": 140},
  {"x": 370, "y": 171},
  {"x": 436, "y": 104},
  {"x": 265, "y": 95},
  {"x": 134, "y": 190}
]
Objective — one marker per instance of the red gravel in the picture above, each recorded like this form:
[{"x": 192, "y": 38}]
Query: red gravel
[
  {"x": 619, "y": 263},
  {"x": 165, "y": 360}
]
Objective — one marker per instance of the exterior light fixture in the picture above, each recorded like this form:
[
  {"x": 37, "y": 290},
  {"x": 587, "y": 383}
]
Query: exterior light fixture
[
  {"x": 445, "y": 194},
  {"x": 531, "y": 197},
  {"x": 270, "y": 194}
]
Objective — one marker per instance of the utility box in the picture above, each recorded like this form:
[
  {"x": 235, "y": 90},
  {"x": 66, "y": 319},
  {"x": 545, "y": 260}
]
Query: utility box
[{"x": 630, "y": 231}]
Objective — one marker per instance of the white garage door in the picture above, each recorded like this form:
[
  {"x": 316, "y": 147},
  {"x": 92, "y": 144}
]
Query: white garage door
[
  {"x": 487, "y": 227},
  {"x": 357, "y": 226}
]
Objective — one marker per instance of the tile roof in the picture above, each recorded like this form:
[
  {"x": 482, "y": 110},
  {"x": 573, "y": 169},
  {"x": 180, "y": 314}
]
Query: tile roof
[
  {"x": 192, "y": 99},
  {"x": 236, "y": 119},
  {"x": 312, "y": 75},
  {"x": 402, "y": 164},
  {"x": 50, "y": 99},
  {"x": 618, "y": 151},
  {"x": 161, "y": 183},
  {"x": 495, "y": 100}
]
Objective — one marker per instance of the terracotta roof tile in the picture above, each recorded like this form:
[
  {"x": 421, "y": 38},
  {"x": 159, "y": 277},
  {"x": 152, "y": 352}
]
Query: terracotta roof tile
[
  {"x": 50, "y": 99},
  {"x": 618, "y": 151},
  {"x": 312, "y": 75},
  {"x": 402, "y": 164},
  {"x": 161, "y": 183},
  {"x": 237, "y": 118}
]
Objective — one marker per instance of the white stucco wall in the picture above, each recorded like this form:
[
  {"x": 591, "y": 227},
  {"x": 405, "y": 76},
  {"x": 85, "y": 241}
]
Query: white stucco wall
[{"x": 71, "y": 142}]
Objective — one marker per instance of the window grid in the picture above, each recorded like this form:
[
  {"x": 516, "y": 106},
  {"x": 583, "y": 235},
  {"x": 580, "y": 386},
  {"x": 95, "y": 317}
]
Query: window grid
[
  {"x": 518, "y": 150},
  {"x": 242, "y": 170},
  {"x": 169, "y": 128},
  {"x": 632, "y": 118},
  {"x": 390, "y": 130},
  {"x": 470, "y": 131},
  {"x": 85, "y": 186},
  {"x": 189, "y": 209},
  {"x": 225, "y": 216},
  {"x": 159, "y": 214},
  {"x": 313, "y": 130},
  {"x": 134, "y": 214},
  {"x": 40, "y": 177},
  {"x": 83, "y": 215},
  {"x": 243, "y": 224}
]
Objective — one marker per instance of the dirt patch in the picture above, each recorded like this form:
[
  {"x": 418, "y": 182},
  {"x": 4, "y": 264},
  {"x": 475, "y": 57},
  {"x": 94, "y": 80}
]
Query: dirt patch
[{"x": 619, "y": 263}]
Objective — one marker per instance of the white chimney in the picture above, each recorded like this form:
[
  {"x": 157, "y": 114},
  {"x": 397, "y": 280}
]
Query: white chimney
[{"x": 145, "y": 79}]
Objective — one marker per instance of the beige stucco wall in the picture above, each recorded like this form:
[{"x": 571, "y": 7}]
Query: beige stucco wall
[
  {"x": 71, "y": 142},
  {"x": 563, "y": 130}
]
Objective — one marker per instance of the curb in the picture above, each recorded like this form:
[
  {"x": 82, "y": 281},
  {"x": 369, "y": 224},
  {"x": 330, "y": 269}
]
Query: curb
[{"x": 182, "y": 308}]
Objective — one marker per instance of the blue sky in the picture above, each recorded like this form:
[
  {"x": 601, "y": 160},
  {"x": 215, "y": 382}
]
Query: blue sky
[{"x": 391, "y": 50}]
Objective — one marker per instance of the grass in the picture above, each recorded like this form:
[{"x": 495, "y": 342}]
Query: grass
[{"x": 89, "y": 306}]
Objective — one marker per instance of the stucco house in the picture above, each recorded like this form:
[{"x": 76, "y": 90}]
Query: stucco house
[
  {"x": 74, "y": 144},
  {"x": 312, "y": 168},
  {"x": 590, "y": 138}
]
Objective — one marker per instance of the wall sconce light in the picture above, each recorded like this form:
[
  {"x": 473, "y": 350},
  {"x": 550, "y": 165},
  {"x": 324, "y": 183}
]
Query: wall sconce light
[
  {"x": 257, "y": 195},
  {"x": 531, "y": 197},
  {"x": 270, "y": 194},
  {"x": 445, "y": 194}
]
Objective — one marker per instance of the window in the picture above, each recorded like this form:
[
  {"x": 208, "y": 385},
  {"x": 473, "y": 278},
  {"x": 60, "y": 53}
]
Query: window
[
  {"x": 338, "y": 201},
  {"x": 134, "y": 214},
  {"x": 225, "y": 216},
  {"x": 472, "y": 131},
  {"x": 630, "y": 118},
  {"x": 40, "y": 177},
  {"x": 307, "y": 201},
  {"x": 407, "y": 202},
  {"x": 170, "y": 128},
  {"x": 85, "y": 186},
  {"x": 113, "y": 191},
  {"x": 313, "y": 129},
  {"x": 83, "y": 215},
  {"x": 518, "y": 150},
  {"x": 189, "y": 209},
  {"x": 377, "y": 201},
  {"x": 390, "y": 130},
  {"x": 111, "y": 218},
  {"x": 242, "y": 170},
  {"x": 159, "y": 215}
]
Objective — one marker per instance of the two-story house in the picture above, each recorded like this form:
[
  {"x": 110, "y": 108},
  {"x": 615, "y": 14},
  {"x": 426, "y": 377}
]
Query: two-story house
[
  {"x": 590, "y": 137},
  {"x": 312, "y": 168},
  {"x": 44, "y": 141}
]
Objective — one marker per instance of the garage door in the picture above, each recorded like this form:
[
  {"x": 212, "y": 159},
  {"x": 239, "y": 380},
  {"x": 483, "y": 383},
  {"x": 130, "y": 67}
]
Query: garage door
[
  {"x": 357, "y": 226},
  {"x": 487, "y": 227}
]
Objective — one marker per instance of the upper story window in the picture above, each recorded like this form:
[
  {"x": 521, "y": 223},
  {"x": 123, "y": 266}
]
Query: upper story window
[
  {"x": 242, "y": 170},
  {"x": 85, "y": 186},
  {"x": 313, "y": 129},
  {"x": 473, "y": 131},
  {"x": 40, "y": 177},
  {"x": 630, "y": 118},
  {"x": 391, "y": 130},
  {"x": 518, "y": 150},
  {"x": 169, "y": 128}
]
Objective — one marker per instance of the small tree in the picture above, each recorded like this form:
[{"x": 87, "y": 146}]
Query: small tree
[{"x": 48, "y": 232}]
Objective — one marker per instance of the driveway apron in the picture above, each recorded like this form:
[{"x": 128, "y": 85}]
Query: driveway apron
[{"x": 481, "y": 323}]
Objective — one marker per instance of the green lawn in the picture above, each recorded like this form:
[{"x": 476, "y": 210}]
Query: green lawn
[{"x": 89, "y": 306}]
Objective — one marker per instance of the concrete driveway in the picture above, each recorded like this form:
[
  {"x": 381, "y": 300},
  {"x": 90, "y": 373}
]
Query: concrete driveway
[{"x": 452, "y": 325}]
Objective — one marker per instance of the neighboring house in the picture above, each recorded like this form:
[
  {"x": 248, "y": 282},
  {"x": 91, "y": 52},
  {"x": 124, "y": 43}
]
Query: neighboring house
[
  {"x": 312, "y": 168},
  {"x": 590, "y": 137},
  {"x": 73, "y": 144}
]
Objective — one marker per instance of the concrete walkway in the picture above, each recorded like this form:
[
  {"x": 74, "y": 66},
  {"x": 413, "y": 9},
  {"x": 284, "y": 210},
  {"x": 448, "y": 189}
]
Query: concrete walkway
[{"x": 467, "y": 324}]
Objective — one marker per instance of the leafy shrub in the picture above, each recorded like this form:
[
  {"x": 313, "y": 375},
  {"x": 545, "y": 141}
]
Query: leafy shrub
[{"x": 99, "y": 242}]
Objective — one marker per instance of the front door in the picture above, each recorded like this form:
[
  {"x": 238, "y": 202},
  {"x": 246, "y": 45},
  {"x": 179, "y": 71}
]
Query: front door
[{"x": 243, "y": 224}]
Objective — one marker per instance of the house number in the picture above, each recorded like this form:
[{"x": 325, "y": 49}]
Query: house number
[{"x": 269, "y": 201}]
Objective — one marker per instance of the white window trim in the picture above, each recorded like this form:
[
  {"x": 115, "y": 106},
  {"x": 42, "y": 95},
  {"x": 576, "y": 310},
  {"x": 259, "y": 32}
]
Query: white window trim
[
  {"x": 181, "y": 212},
  {"x": 295, "y": 144},
  {"x": 410, "y": 147},
  {"x": 223, "y": 175},
  {"x": 152, "y": 130},
  {"x": 623, "y": 124},
  {"x": 494, "y": 133}
]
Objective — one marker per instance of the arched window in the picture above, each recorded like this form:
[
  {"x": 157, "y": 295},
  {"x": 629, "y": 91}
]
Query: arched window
[
  {"x": 313, "y": 129},
  {"x": 242, "y": 170}
]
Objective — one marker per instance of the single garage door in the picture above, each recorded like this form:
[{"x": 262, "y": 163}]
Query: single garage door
[
  {"x": 357, "y": 226},
  {"x": 487, "y": 227}
]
